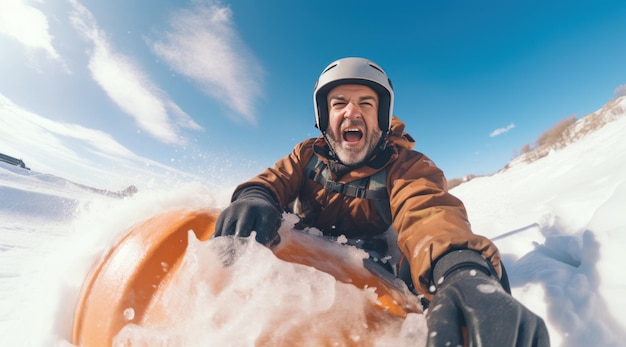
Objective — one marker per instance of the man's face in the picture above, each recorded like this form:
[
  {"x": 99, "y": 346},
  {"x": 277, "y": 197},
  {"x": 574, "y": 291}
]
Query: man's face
[{"x": 353, "y": 130}]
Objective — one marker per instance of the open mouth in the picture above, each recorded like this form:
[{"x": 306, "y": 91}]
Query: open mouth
[{"x": 352, "y": 135}]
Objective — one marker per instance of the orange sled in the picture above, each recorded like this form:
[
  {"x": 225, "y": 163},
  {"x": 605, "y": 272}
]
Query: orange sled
[{"x": 132, "y": 274}]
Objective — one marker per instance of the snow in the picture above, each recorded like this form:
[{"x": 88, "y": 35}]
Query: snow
[{"x": 558, "y": 222}]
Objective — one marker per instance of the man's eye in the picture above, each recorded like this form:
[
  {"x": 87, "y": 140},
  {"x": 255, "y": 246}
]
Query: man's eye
[{"x": 339, "y": 104}]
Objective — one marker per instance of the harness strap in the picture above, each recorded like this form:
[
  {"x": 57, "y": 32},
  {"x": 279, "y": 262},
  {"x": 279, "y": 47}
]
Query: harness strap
[{"x": 373, "y": 187}]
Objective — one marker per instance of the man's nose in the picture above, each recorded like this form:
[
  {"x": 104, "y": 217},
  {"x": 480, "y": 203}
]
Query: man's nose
[{"x": 352, "y": 111}]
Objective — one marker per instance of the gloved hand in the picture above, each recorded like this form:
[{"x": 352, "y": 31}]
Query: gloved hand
[
  {"x": 469, "y": 294},
  {"x": 252, "y": 209}
]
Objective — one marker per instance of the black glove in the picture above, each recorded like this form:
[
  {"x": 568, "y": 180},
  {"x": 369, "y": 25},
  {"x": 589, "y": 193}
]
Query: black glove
[
  {"x": 252, "y": 209},
  {"x": 469, "y": 294}
]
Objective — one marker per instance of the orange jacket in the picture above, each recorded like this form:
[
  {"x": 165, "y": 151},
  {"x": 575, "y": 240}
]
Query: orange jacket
[{"x": 429, "y": 220}]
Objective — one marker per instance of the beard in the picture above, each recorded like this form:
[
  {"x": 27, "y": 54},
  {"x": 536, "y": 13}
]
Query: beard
[{"x": 349, "y": 155}]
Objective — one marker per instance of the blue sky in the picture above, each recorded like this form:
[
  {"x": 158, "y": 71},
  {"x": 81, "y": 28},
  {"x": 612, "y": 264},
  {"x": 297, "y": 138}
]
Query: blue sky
[{"x": 224, "y": 89}]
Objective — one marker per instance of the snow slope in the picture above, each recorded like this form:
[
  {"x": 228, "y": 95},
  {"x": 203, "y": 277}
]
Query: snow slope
[
  {"x": 558, "y": 222},
  {"x": 564, "y": 215}
]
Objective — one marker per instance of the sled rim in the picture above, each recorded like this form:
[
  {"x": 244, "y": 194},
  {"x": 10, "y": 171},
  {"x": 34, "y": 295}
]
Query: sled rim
[
  {"x": 124, "y": 286},
  {"x": 121, "y": 286}
]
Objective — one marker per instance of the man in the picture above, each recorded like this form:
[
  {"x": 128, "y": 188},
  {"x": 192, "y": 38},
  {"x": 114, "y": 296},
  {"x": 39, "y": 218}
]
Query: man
[{"x": 334, "y": 181}]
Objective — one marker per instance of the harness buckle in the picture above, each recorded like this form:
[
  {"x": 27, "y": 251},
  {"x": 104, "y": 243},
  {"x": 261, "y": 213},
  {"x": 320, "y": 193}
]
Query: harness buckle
[
  {"x": 360, "y": 192},
  {"x": 356, "y": 191},
  {"x": 334, "y": 186}
]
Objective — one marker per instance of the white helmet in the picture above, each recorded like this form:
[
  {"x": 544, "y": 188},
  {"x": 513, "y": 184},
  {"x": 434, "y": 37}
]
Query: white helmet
[{"x": 354, "y": 71}]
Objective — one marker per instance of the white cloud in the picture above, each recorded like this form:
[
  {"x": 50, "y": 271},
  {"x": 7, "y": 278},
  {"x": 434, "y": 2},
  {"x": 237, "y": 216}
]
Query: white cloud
[
  {"x": 72, "y": 151},
  {"x": 203, "y": 45},
  {"x": 28, "y": 25},
  {"x": 127, "y": 84},
  {"x": 501, "y": 131}
]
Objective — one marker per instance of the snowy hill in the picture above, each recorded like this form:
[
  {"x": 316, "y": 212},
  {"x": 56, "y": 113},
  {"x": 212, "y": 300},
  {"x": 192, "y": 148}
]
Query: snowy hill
[
  {"x": 558, "y": 138},
  {"x": 15, "y": 176},
  {"x": 558, "y": 222}
]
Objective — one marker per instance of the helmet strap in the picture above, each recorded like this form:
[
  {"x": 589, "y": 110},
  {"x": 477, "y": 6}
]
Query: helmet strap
[{"x": 331, "y": 150}]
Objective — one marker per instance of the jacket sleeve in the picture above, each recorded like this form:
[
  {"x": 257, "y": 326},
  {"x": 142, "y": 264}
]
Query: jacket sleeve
[
  {"x": 430, "y": 221},
  {"x": 286, "y": 177}
]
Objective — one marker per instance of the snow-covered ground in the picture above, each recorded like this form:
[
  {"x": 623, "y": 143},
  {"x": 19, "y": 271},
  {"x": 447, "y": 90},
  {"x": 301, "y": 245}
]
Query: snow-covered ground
[{"x": 559, "y": 223}]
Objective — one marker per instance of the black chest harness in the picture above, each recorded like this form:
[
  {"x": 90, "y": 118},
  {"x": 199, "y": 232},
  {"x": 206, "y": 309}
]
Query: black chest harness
[{"x": 373, "y": 187}]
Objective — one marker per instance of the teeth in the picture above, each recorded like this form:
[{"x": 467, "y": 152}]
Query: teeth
[{"x": 352, "y": 134}]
